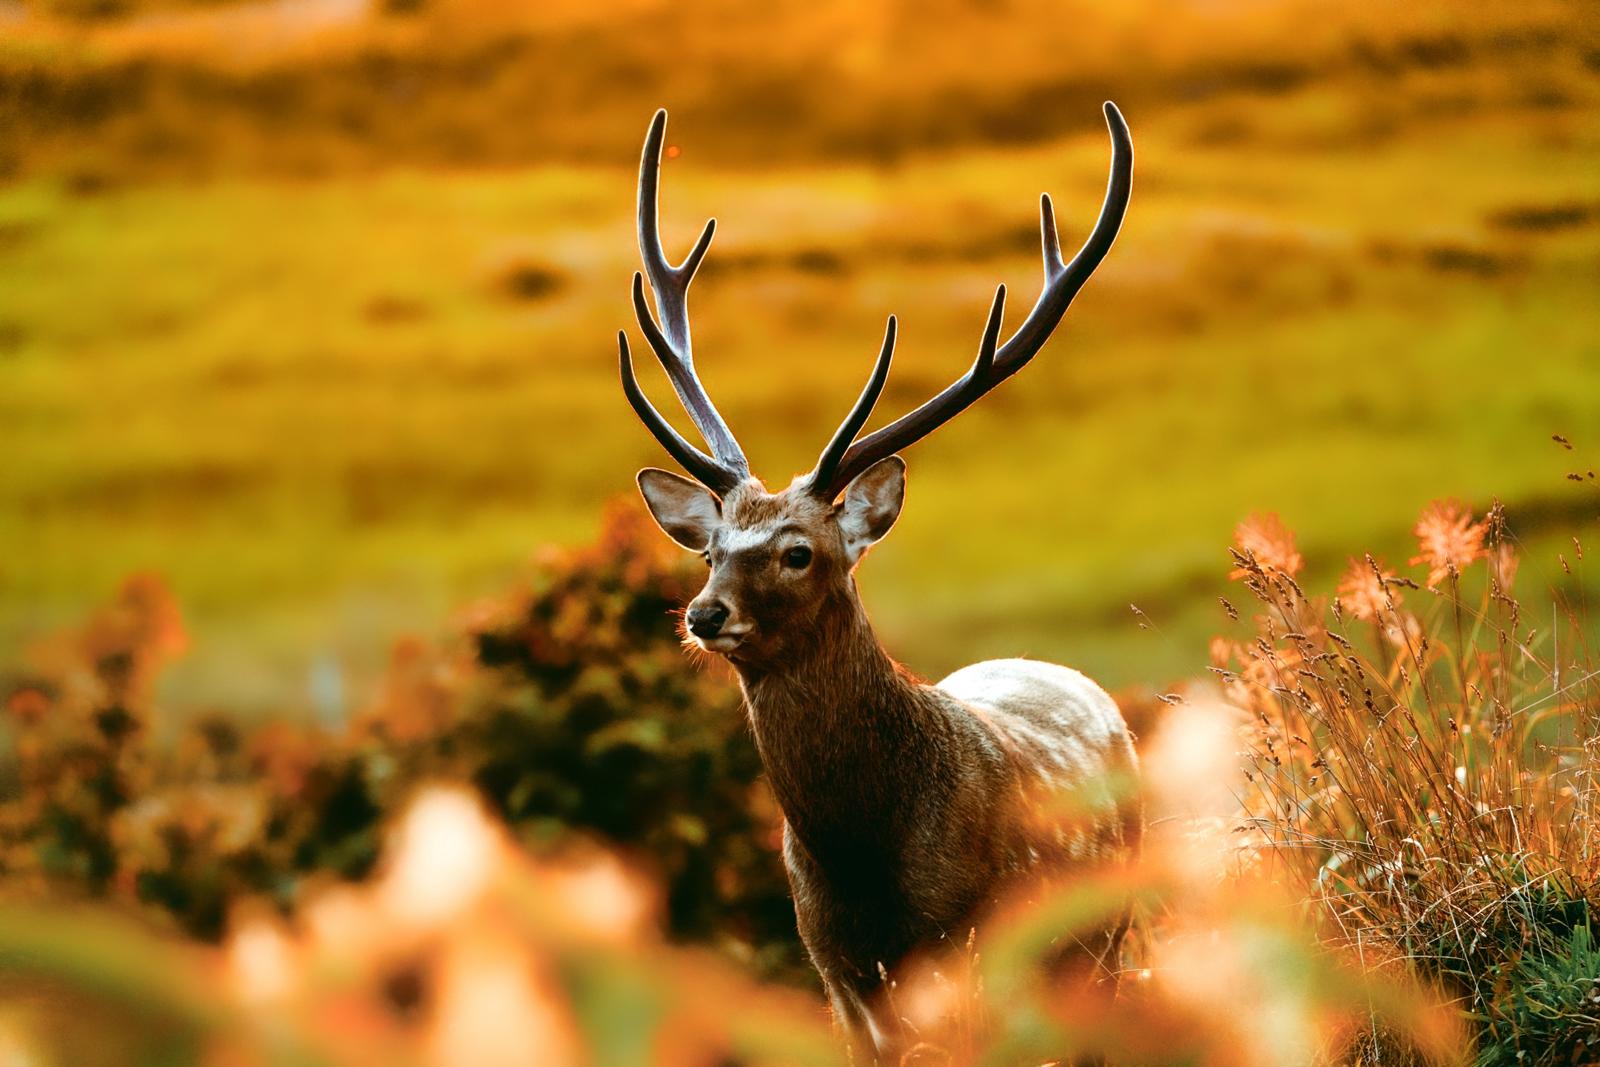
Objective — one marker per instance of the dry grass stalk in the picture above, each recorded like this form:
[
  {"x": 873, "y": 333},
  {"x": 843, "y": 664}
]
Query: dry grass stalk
[{"x": 1425, "y": 777}]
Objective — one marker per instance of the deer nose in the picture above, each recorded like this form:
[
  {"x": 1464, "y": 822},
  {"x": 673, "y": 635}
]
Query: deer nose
[{"x": 706, "y": 619}]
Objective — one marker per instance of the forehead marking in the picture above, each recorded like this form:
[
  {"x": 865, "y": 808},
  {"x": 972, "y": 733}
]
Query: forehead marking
[{"x": 735, "y": 539}]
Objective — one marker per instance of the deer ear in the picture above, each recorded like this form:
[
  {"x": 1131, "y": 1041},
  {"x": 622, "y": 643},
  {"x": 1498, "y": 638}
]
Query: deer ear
[
  {"x": 871, "y": 504},
  {"x": 686, "y": 511}
]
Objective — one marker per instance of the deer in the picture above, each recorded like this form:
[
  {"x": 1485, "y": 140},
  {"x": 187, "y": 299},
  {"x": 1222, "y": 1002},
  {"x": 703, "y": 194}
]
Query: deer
[{"x": 909, "y": 809}]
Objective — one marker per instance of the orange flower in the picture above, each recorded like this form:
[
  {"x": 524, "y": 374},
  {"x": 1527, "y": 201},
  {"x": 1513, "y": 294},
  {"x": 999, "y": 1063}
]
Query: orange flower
[
  {"x": 1448, "y": 538},
  {"x": 1272, "y": 543},
  {"x": 1360, "y": 592}
]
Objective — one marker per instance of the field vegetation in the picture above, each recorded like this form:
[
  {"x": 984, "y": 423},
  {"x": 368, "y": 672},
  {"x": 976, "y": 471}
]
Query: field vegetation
[
  {"x": 1424, "y": 773},
  {"x": 547, "y": 838},
  {"x": 311, "y": 754}
]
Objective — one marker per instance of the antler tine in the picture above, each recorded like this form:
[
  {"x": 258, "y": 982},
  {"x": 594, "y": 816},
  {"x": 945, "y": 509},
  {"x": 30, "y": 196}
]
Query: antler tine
[
  {"x": 670, "y": 339},
  {"x": 824, "y": 471},
  {"x": 993, "y": 366},
  {"x": 705, "y": 470}
]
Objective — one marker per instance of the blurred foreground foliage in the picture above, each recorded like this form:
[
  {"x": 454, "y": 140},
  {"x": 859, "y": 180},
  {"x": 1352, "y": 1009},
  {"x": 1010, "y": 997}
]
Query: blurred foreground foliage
[
  {"x": 480, "y": 869},
  {"x": 464, "y": 951},
  {"x": 569, "y": 704},
  {"x": 1422, "y": 760}
]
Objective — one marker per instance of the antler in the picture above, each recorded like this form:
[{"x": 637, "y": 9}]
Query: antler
[
  {"x": 726, "y": 467},
  {"x": 839, "y": 464}
]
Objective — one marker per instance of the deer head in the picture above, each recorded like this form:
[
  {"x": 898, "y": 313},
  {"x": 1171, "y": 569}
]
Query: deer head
[{"x": 782, "y": 563}]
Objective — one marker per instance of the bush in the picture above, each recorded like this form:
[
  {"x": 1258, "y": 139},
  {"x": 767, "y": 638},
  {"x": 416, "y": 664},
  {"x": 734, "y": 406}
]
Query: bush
[{"x": 569, "y": 704}]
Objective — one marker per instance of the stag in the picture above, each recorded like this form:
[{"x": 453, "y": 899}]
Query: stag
[{"x": 909, "y": 809}]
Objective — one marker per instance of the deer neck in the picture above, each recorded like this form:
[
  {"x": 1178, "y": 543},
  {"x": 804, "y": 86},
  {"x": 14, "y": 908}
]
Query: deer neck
[{"x": 845, "y": 734}]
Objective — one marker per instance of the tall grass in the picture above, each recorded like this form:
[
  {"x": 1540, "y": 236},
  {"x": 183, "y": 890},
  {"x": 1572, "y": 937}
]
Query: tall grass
[{"x": 1421, "y": 766}]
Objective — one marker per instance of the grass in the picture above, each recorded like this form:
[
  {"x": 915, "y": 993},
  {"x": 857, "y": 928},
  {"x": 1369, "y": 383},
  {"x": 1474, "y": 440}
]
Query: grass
[
  {"x": 1422, "y": 771},
  {"x": 321, "y": 329},
  {"x": 330, "y": 409}
]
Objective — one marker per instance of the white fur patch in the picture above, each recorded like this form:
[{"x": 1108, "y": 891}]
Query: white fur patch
[{"x": 734, "y": 539}]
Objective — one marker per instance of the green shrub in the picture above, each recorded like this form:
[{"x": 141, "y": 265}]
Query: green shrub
[{"x": 569, "y": 704}]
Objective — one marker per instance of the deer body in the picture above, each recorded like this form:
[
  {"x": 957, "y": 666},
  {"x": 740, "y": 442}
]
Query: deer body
[
  {"x": 910, "y": 809},
  {"x": 959, "y": 835}
]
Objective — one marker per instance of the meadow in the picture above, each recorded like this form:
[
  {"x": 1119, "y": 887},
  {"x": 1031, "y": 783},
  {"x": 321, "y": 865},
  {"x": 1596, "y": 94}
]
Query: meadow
[
  {"x": 332, "y": 406},
  {"x": 311, "y": 443}
]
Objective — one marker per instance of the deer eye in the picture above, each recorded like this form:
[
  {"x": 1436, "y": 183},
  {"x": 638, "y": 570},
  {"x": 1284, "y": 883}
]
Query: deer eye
[
  {"x": 707, "y": 557},
  {"x": 797, "y": 557}
]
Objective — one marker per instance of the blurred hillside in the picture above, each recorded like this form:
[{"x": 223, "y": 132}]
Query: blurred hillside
[
  {"x": 104, "y": 89},
  {"x": 310, "y": 307}
]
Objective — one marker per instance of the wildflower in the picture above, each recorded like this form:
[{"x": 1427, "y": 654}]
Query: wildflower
[
  {"x": 1272, "y": 544},
  {"x": 1448, "y": 538},
  {"x": 1361, "y": 592}
]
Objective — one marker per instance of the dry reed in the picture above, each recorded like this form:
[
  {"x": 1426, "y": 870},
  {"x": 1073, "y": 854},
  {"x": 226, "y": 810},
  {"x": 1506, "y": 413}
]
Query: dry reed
[{"x": 1421, "y": 763}]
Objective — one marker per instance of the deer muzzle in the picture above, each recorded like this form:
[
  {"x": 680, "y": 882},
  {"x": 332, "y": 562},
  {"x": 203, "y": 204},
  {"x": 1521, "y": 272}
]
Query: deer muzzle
[
  {"x": 714, "y": 628},
  {"x": 705, "y": 620}
]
